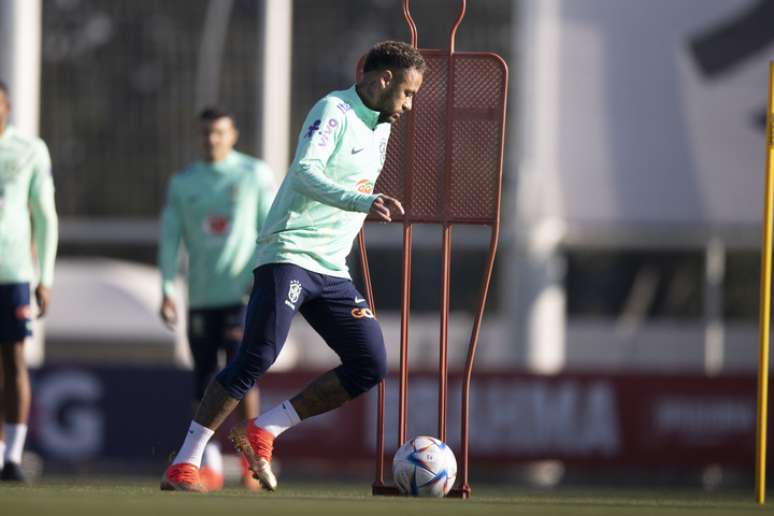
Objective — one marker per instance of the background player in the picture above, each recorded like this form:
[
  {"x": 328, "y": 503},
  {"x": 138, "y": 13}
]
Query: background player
[
  {"x": 302, "y": 252},
  {"x": 26, "y": 191},
  {"x": 216, "y": 207}
]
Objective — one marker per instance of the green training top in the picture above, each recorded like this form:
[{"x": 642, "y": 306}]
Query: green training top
[
  {"x": 26, "y": 188},
  {"x": 324, "y": 199},
  {"x": 216, "y": 209}
]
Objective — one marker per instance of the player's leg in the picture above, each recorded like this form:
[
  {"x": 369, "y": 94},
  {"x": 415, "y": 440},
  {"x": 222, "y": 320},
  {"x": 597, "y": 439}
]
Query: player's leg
[
  {"x": 16, "y": 408},
  {"x": 353, "y": 333},
  {"x": 2, "y": 414},
  {"x": 269, "y": 313},
  {"x": 350, "y": 329},
  {"x": 15, "y": 327},
  {"x": 204, "y": 336},
  {"x": 293, "y": 287},
  {"x": 232, "y": 334},
  {"x": 248, "y": 408}
]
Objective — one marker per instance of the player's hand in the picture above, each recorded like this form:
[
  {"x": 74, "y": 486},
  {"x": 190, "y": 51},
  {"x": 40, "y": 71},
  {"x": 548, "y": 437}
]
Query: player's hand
[
  {"x": 43, "y": 298},
  {"x": 168, "y": 312},
  {"x": 382, "y": 206}
]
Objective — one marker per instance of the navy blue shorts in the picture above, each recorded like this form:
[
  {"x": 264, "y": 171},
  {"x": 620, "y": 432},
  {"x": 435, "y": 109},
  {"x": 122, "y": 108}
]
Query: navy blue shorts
[
  {"x": 15, "y": 312},
  {"x": 211, "y": 330},
  {"x": 331, "y": 305}
]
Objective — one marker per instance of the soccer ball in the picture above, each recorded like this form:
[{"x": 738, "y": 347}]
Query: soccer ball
[{"x": 424, "y": 466}]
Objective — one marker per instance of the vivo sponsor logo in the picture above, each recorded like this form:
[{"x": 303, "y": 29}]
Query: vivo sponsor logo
[
  {"x": 326, "y": 132},
  {"x": 704, "y": 417},
  {"x": 517, "y": 416}
]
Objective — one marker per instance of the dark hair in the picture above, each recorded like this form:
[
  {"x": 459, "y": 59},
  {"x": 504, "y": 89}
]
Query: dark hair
[
  {"x": 393, "y": 54},
  {"x": 4, "y": 87},
  {"x": 212, "y": 113}
]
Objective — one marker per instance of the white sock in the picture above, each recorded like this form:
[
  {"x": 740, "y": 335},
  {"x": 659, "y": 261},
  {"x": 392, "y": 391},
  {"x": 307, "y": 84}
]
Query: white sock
[
  {"x": 278, "y": 419},
  {"x": 194, "y": 444},
  {"x": 2, "y": 454},
  {"x": 212, "y": 457},
  {"x": 15, "y": 435}
]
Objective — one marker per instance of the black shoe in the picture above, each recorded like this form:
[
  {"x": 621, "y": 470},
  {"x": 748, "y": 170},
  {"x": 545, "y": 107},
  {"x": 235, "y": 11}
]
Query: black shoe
[{"x": 12, "y": 472}]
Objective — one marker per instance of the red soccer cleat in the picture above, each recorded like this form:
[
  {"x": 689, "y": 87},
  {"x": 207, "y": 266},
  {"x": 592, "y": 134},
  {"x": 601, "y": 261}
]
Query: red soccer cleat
[
  {"x": 255, "y": 445},
  {"x": 211, "y": 479},
  {"x": 182, "y": 477},
  {"x": 248, "y": 480}
]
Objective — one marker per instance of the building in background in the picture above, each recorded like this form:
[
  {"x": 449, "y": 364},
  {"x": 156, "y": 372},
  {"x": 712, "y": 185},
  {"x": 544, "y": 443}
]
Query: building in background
[{"x": 641, "y": 171}]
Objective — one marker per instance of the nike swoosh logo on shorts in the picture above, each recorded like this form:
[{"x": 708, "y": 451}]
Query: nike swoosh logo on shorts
[
  {"x": 355, "y": 151},
  {"x": 359, "y": 299}
]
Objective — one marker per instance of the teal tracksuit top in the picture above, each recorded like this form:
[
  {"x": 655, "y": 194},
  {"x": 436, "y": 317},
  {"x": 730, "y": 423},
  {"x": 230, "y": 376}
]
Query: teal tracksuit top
[
  {"x": 216, "y": 210},
  {"x": 323, "y": 201},
  {"x": 26, "y": 189}
]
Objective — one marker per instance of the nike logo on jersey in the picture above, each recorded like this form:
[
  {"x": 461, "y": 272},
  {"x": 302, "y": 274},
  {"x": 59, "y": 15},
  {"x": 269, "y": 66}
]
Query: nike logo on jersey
[
  {"x": 359, "y": 299},
  {"x": 355, "y": 151}
]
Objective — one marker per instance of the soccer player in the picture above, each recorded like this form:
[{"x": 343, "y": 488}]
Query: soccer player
[
  {"x": 26, "y": 191},
  {"x": 301, "y": 266},
  {"x": 216, "y": 207}
]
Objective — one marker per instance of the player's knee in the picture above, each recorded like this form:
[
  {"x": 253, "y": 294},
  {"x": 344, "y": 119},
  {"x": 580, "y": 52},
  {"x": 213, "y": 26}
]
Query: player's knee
[
  {"x": 240, "y": 374},
  {"x": 365, "y": 375},
  {"x": 234, "y": 383},
  {"x": 377, "y": 367},
  {"x": 379, "y": 370}
]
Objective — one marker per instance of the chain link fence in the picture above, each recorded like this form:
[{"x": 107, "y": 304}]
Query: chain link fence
[{"x": 120, "y": 81}]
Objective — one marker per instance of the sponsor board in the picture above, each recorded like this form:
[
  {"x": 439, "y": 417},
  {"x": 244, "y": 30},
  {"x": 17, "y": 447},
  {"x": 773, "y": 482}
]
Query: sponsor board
[{"x": 84, "y": 413}]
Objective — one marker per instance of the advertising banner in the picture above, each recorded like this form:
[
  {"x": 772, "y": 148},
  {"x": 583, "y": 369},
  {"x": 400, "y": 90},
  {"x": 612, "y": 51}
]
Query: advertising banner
[{"x": 82, "y": 414}]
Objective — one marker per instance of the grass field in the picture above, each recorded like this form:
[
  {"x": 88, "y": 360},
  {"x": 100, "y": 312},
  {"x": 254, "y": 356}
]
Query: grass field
[{"x": 106, "y": 499}]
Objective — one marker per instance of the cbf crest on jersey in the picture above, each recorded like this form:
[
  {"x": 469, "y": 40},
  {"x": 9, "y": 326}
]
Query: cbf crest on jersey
[
  {"x": 294, "y": 291},
  {"x": 382, "y": 152}
]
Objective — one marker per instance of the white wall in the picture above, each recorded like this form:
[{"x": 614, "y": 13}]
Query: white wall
[
  {"x": 622, "y": 125},
  {"x": 639, "y": 123}
]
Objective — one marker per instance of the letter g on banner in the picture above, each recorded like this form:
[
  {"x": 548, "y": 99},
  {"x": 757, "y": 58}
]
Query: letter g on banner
[{"x": 71, "y": 426}]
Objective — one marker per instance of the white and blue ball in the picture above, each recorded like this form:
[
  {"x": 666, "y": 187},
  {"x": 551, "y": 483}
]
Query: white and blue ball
[{"x": 424, "y": 466}]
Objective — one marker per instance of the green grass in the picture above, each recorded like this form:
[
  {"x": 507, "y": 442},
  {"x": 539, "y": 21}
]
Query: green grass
[{"x": 144, "y": 498}]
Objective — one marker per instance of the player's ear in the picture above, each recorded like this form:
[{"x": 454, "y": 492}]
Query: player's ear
[{"x": 386, "y": 77}]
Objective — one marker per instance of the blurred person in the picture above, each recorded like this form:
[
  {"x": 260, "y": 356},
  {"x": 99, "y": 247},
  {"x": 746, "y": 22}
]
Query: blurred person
[
  {"x": 301, "y": 266},
  {"x": 216, "y": 207},
  {"x": 26, "y": 192}
]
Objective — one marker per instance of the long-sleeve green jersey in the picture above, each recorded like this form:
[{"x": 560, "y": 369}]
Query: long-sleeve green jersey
[
  {"x": 26, "y": 192},
  {"x": 324, "y": 199},
  {"x": 216, "y": 210}
]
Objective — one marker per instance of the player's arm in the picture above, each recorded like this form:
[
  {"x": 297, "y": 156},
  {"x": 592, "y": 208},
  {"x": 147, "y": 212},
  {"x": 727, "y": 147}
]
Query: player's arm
[
  {"x": 320, "y": 137},
  {"x": 169, "y": 246},
  {"x": 45, "y": 224}
]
